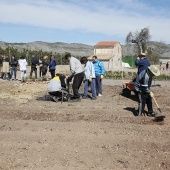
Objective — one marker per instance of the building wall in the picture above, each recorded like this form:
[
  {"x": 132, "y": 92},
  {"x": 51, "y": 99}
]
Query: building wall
[
  {"x": 116, "y": 52},
  {"x": 104, "y": 50}
]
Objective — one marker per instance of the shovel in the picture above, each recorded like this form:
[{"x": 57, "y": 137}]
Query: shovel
[{"x": 161, "y": 117}]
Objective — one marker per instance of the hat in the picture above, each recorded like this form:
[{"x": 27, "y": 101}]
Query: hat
[
  {"x": 154, "y": 70},
  {"x": 143, "y": 53},
  {"x": 45, "y": 57}
]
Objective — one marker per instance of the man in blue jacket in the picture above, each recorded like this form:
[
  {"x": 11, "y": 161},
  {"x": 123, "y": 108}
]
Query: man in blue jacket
[
  {"x": 99, "y": 72},
  {"x": 52, "y": 66},
  {"x": 142, "y": 62}
]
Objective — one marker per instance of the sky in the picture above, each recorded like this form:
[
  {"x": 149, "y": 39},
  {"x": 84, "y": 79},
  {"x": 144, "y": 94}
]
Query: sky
[{"x": 82, "y": 21}]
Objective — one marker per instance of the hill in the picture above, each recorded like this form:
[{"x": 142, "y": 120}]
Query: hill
[
  {"x": 57, "y": 47},
  {"x": 82, "y": 49}
]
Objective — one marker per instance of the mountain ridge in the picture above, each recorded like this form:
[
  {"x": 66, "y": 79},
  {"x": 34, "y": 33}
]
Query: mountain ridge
[{"x": 79, "y": 49}]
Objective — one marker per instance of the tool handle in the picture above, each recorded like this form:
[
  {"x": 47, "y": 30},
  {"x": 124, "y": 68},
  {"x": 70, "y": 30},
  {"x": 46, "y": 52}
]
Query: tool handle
[{"x": 155, "y": 101}]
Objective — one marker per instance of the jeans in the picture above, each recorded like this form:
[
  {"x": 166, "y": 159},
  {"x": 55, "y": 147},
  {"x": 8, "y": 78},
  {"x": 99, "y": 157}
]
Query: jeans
[
  {"x": 144, "y": 99},
  {"x": 35, "y": 71},
  {"x": 92, "y": 86},
  {"x": 14, "y": 70},
  {"x": 3, "y": 75},
  {"x": 23, "y": 74},
  {"x": 78, "y": 79},
  {"x": 98, "y": 85}
]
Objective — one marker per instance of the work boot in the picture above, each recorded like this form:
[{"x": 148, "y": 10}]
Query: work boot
[
  {"x": 84, "y": 97},
  {"x": 152, "y": 114},
  {"x": 75, "y": 99}
]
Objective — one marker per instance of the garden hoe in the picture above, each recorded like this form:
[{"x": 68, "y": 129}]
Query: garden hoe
[{"x": 161, "y": 117}]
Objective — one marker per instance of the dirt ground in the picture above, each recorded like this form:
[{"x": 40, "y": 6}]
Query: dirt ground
[{"x": 103, "y": 134}]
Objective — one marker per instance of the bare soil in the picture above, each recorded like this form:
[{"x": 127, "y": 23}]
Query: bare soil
[{"x": 103, "y": 134}]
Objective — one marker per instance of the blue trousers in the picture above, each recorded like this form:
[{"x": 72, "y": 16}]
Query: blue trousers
[
  {"x": 98, "y": 85},
  {"x": 92, "y": 86},
  {"x": 14, "y": 71}
]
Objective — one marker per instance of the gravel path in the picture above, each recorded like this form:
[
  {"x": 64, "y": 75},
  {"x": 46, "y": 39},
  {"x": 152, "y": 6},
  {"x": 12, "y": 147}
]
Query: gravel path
[{"x": 112, "y": 82}]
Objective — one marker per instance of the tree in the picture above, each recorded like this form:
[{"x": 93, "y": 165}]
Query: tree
[{"x": 140, "y": 39}]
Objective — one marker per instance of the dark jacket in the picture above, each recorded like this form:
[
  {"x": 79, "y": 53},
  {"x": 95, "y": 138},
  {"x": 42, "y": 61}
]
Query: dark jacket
[
  {"x": 34, "y": 62},
  {"x": 45, "y": 64},
  {"x": 143, "y": 82},
  {"x": 52, "y": 65},
  {"x": 14, "y": 62},
  {"x": 142, "y": 64}
]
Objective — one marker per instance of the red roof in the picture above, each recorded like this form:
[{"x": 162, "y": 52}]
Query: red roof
[{"x": 106, "y": 43}]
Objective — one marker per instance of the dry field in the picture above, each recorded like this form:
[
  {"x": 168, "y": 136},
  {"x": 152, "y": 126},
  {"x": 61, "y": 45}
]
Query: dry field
[{"x": 101, "y": 135}]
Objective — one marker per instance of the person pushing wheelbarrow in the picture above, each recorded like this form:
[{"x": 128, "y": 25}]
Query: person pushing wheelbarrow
[{"x": 142, "y": 88}]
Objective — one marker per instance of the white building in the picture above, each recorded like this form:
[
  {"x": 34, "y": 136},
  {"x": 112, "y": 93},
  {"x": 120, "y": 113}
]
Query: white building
[{"x": 110, "y": 53}]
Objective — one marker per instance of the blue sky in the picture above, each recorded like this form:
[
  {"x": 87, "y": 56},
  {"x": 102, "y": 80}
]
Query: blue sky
[{"x": 82, "y": 21}]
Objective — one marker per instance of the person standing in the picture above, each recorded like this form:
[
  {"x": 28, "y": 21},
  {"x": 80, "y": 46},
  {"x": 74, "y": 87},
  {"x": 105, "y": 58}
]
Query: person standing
[
  {"x": 34, "y": 65},
  {"x": 14, "y": 64},
  {"x": 142, "y": 62},
  {"x": 99, "y": 72},
  {"x": 167, "y": 66},
  {"x": 45, "y": 65},
  {"x": 23, "y": 68},
  {"x": 142, "y": 89},
  {"x": 5, "y": 68},
  {"x": 89, "y": 78},
  {"x": 52, "y": 66},
  {"x": 77, "y": 72},
  {"x": 40, "y": 66}
]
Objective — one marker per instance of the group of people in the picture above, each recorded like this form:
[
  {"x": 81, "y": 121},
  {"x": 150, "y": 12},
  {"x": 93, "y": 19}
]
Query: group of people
[
  {"x": 14, "y": 65},
  {"x": 91, "y": 75},
  {"x": 82, "y": 71}
]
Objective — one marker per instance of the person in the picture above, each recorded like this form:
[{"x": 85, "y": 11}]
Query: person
[
  {"x": 52, "y": 66},
  {"x": 45, "y": 65},
  {"x": 167, "y": 66},
  {"x": 6, "y": 69},
  {"x": 22, "y": 65},
  {"x": 34, "y": 65},
  {"x": 56, "y": 85},
  {"x": 99, "y": 73},
  {"x": 40, "y": 66},
  {"x": 89, "y": 78},
  {"x": 142, "y": 62},
  {"x": 77, "y": 72},
  {"x": 14, "y": 64},
  {"x": 142, "y": 88}
]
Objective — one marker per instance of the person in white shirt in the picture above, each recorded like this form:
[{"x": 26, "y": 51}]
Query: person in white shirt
[
  {"x": 23, "y": 67},
  {"x": 77, "y": 72},
  {"x": 89, "y": 78}
]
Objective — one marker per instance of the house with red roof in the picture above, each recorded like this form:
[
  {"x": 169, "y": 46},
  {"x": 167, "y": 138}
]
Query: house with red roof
[{"x": 110, "y": 52}]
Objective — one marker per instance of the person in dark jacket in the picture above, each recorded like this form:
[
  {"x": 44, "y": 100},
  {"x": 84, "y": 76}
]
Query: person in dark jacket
[
  {"x": 52, "y": 66},
  {"x": 142, "y": 89},
  {"x": 45, "y": 64},
  {"x": 14, "y": 64},
  {"x": 34, "y": 65},
  {"x": 142, "y": 62}
]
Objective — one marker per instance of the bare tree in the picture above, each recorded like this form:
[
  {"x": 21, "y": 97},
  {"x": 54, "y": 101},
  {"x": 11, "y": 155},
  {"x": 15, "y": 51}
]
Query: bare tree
[{"x": 139, "y": 38}]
